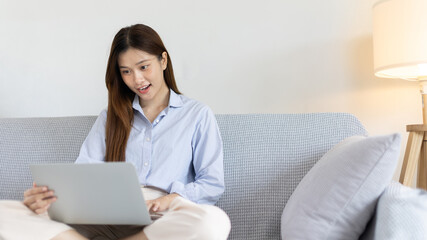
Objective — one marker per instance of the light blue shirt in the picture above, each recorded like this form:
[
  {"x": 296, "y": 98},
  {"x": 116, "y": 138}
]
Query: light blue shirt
[{"x": 180, "y": 152}]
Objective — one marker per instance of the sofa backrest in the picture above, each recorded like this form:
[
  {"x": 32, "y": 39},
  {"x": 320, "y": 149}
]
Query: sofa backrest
[
  {"x": 25, "y": 141},
  {"x": 265, "y": 157}
]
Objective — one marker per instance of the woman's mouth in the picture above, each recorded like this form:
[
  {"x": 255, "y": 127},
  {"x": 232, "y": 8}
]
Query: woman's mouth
[{"x": 144, "y": 89}]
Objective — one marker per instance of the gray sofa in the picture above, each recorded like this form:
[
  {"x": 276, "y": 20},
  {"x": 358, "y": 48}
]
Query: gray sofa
[{"x": 265, "y": 157}]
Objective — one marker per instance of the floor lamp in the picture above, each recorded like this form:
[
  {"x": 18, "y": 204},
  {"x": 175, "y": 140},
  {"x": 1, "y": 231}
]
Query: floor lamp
[{"x": 400, "y": 51}]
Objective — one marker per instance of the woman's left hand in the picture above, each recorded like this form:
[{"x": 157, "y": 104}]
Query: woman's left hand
[{"x": 162, "y": 203}]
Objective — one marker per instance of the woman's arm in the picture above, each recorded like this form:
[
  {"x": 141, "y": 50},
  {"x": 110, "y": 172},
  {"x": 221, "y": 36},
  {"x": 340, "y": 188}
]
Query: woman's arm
[
  {"x": 93, "y": 148},
  {"x": 207, "y": 162}
]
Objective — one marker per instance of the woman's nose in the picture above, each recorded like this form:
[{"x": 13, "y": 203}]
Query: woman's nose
[{"x": 139, "y": 77}]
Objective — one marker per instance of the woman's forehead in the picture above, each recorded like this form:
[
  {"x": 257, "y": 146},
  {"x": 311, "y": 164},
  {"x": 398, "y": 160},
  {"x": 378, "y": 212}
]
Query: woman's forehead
[{"x": 133, "y": 56}]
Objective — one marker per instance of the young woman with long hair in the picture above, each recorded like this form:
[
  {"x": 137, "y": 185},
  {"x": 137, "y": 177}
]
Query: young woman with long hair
[{"x": 173, "y": 142}]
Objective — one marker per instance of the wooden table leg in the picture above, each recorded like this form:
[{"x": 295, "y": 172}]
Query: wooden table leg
[
  {"x": 412, "y": 156},
  {"x": 422, "y": 167}
]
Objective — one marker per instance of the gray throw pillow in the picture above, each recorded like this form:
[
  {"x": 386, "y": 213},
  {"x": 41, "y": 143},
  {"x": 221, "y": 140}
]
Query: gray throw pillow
[
  {"x": 337, "y": 197},
  {"x": 401, "y": 213}
]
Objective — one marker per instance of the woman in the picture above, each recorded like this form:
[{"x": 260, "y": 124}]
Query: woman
[{"x": 173, "y": 142}]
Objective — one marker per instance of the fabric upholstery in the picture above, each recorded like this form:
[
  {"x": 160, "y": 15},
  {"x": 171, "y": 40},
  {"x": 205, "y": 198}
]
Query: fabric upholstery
[
  {"x": 401, "y": 213},
  {"x": 337, "y": 197},
  {"x": 265, "y": 157},
  {"x": 28, "y": 141}
]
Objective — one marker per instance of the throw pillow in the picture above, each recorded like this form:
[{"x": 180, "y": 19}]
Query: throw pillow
[
  {"x": 337, "y": 197},
  {"x": 401, "y": 213}
]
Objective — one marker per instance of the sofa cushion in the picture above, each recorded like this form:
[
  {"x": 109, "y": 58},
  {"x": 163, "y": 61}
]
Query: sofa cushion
[
  {"x": 337, "y": 197},
  {"x": 401, "y": 213}
]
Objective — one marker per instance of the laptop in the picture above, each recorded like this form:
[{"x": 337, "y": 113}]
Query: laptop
[{"x": 103, "y": 193}]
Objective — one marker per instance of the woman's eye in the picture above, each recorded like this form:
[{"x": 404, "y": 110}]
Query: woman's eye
[
  {"x": 144, "y": 67},
  {"x": 125, "y": 71}
]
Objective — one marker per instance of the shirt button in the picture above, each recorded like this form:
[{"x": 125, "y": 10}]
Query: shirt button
[
  {"x": 145, "y": 164},
  {"x": 148, "y": 139},
  {"x": 157, "y": 121}
]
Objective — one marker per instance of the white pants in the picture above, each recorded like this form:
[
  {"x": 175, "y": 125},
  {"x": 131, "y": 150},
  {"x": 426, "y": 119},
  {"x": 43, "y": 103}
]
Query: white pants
[{"x": 183, "y": 220}]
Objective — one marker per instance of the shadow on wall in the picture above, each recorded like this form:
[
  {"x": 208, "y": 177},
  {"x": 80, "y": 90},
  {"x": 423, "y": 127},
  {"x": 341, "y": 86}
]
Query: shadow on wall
[{"x": 338, "y": 76}]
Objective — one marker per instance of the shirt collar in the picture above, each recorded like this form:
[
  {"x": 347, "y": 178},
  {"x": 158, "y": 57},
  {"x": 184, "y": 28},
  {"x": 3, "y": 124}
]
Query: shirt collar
[{"x": 174, "y": 101}]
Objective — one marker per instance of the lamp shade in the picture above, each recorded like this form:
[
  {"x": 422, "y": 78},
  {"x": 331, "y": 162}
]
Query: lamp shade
[{"x": 400, "y": 39}]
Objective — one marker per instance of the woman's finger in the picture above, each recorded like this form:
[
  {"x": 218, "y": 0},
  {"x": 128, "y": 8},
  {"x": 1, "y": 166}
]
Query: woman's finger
[
  {"x": 42, "y": 210},
  {"x": 39, "y": 200},
  {"x": 149, "y": 204},
  {"x": 156, "y": 206},
  {"x": 35, "y": 190},
  {"x": 33, "y": 198},
  {"x": 39, "y": 205},
  {"x": 29, "y": 200}
]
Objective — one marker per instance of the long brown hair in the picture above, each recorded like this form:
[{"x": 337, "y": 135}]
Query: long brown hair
[{"x": 120, "y": 97}]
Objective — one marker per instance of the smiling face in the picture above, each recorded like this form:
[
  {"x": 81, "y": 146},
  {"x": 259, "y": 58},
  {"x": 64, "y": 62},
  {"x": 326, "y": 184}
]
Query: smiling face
[{"x": 143, "y": 74}]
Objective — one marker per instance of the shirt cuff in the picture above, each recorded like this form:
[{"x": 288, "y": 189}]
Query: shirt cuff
[{"x": 186, "y": 191}]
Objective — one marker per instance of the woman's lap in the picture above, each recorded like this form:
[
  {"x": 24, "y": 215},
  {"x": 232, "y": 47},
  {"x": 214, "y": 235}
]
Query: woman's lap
[
  {"x": 184, "y": 220},
  {"x": 19, "y": 222}
]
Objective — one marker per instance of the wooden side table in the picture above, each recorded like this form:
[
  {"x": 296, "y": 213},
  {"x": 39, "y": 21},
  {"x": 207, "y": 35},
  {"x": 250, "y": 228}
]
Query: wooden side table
[{"x": 415, "y": 154}]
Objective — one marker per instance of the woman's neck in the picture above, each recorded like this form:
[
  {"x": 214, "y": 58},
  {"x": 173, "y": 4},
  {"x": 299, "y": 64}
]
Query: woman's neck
[{"x": 153, "y": 108}]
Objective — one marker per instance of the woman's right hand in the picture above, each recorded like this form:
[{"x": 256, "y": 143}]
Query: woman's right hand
[{"x": 38, "y": 198}]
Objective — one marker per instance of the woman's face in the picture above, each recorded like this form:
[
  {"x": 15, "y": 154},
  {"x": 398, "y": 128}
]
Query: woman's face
[{"x": 143, "y": 74}]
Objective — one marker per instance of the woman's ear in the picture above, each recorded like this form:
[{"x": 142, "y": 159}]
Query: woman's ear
[{"x": 164, "y": 60}]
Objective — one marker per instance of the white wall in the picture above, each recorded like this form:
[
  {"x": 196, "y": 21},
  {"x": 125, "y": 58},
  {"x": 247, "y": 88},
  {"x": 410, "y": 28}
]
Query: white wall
[{"x": 236, "y": 56}]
